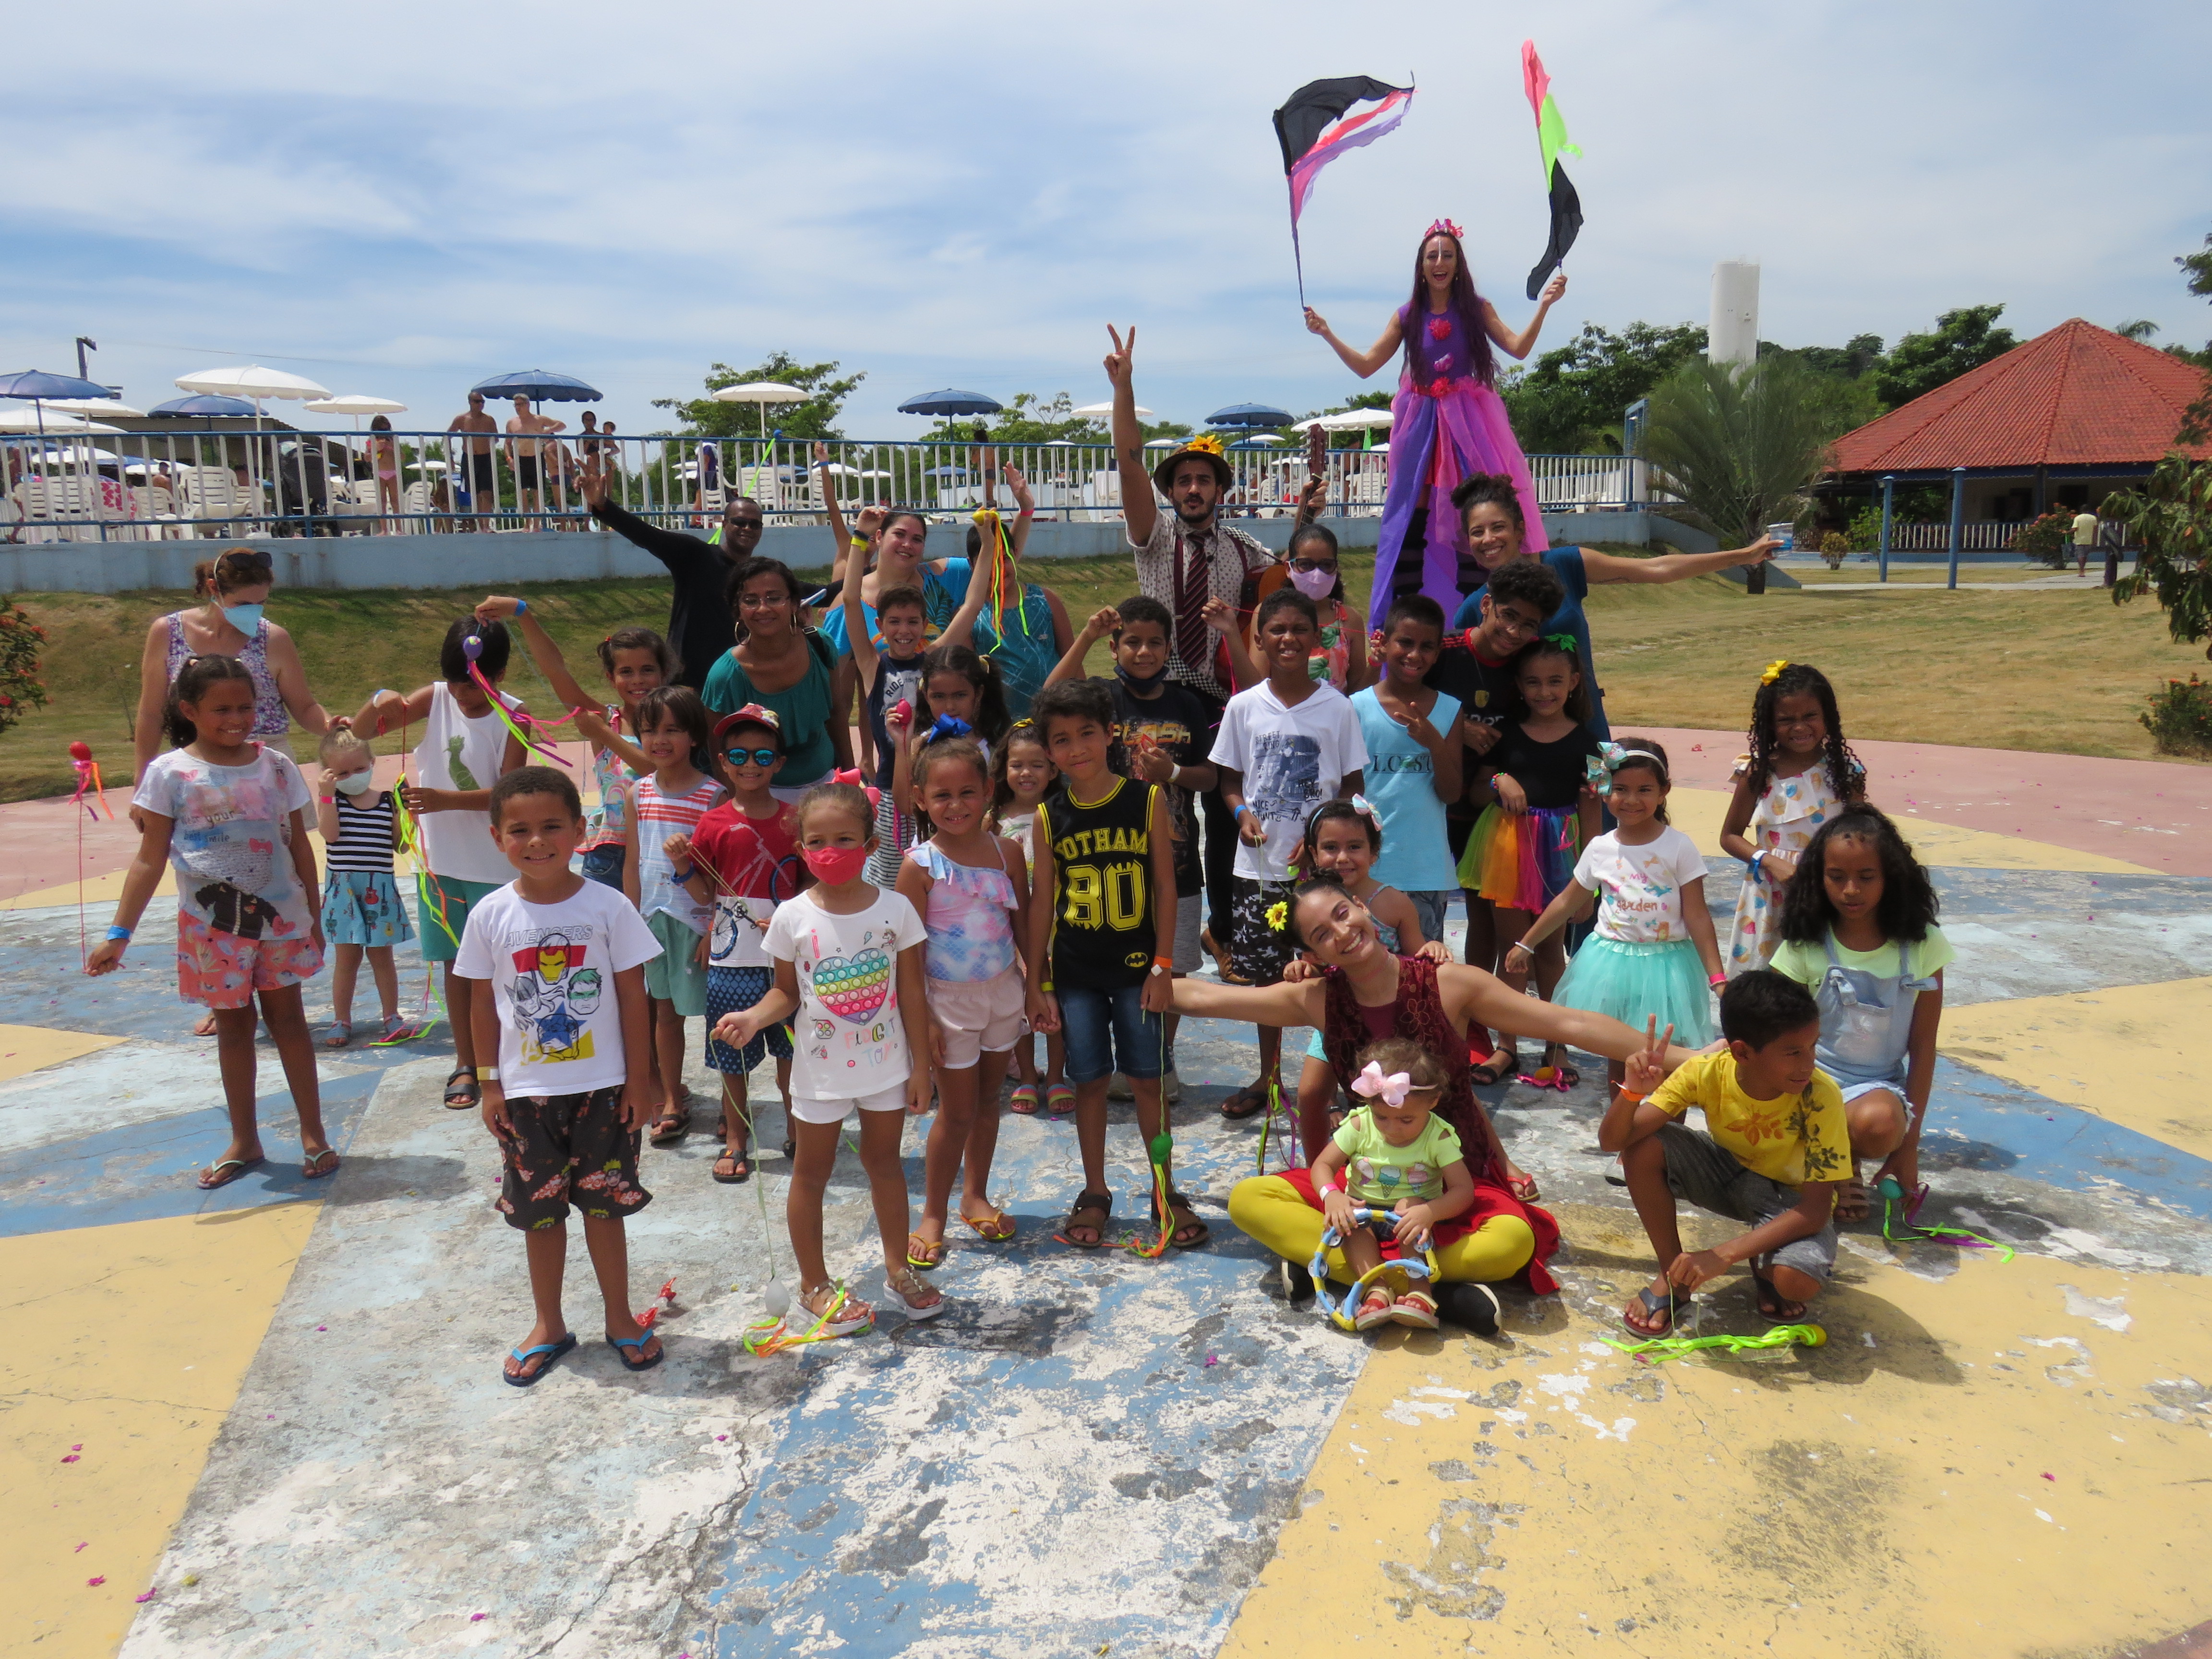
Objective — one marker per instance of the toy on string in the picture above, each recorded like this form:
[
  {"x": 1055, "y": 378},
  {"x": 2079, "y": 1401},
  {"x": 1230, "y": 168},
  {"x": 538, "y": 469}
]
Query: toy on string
[
  {"x": 1893, "y": 1194},
  {"x": 665, "y": 1301},
  {"x": 1293, "y": 1148},
  {"x": 767, "y": 1337},
  {"x": 1397, "y": 1274},
  {"x": 87, "y": 777},
  {"x": 1658, "y": 1350},
  {"x": 407, "y": 838},
  {"x": 521, "y": 725}
]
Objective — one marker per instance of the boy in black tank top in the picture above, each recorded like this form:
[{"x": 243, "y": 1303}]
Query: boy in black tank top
[{"x": 1103, "y": 850}]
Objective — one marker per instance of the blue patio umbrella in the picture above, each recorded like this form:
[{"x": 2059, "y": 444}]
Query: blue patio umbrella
[
  {"x": 1251, "y": 416},
  {"x": 949, "y": 402},
  {"x": 204, "y": 405},
  {"x": 35, "y": 387},
  {"x": 542, "y": 386}
]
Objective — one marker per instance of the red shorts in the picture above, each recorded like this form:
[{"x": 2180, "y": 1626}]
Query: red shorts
[{"x": 223, "y": 970}]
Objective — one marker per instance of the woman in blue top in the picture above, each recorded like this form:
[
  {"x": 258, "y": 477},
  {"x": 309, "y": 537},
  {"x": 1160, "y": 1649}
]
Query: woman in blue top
[{"x": 1490, "y": 509}]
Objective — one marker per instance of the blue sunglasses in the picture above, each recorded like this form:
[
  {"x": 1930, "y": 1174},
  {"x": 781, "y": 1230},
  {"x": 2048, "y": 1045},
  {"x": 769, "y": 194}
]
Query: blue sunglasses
[{"x": 758, "y": 756}]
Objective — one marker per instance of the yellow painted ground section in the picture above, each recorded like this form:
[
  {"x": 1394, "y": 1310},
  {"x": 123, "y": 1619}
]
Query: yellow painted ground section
[
  {"x": 1889, "y": 1501},
  {"x": 130, "y": 1341},
  {"x": 2138, "y": 1054},
  {"x": 30, "y": 1047},
  {"x": 1699, "y": 813}
]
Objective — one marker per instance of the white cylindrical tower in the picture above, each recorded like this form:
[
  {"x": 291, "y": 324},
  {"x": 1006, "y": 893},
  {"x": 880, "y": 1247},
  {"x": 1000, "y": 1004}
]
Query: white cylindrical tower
[{"x": 1732, "y": 337}]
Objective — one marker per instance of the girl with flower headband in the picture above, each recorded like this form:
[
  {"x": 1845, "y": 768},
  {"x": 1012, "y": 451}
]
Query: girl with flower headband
[
  {"x": 1799, "y": 775},
  {"x": 1653, "y": 953},
  {"x": 1523, "y": 853},
  {"x": 1448, "y": 420}
]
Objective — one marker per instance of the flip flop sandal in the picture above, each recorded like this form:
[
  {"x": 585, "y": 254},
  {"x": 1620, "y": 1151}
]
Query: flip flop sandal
[
  {"x": 1854, "y": 1191},
  {"x": 462, "y": 1082},
  {"x": 669, "y": 1128},
  {"x": 552, "y": 1350},
  {"x": 1417, "y": 1309},
  {"x": 1671, "y": 1305},
  {"x": 1565, "y": 1074},
  {"x": 622, "y": 1347},
  {"x": 312, "y": 1173},
  {"x": 1523, "y": 1188},
  {"x": 1085, "y": 1203},
  {"x": 1180, "y": 1201},
  {"x": 1059, "y": 1097},
  {"x": 905, "y": 1287},
  {"x": 236, "y": 1166},
  {"x": 997, "y": 1229},
  {"x": 1247, "y": 1101},
  {"x": 1376, "y": 1311},
  {"x": 336, "y": 1034},
  {"x": 1501, "y": 1067},
  {"x": 1763, "y": 1294},
  {"x": 1024, "y": 1100},
  {"x": 919, "y": 1251},
  {"x": 738, "y": 1177}
]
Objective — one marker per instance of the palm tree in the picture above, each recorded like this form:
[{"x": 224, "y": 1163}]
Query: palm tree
[{"x": 1737, "y": 447}]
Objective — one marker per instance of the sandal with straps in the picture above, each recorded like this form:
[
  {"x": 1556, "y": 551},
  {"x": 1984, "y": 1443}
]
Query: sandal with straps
[
  {"x": 1178, "y": 1201},
  {"x": 1083, "y": 1204}
]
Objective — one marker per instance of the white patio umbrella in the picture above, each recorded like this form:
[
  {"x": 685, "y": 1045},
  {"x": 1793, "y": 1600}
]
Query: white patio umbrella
[
  {"x": 93, "y": 406},
  {"x": 1090, "y": 411},
  {"x": 254, "y": 382},
  {"x": 1354, "y": 420},
  {"x": 28, "y": 420},
  {"x": 761, "y": 394},
  {"x": 355, "y": 403}
]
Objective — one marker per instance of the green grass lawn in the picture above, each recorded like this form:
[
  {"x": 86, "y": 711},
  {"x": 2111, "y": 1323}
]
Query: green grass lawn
[{"x": 2054, "y": 670}]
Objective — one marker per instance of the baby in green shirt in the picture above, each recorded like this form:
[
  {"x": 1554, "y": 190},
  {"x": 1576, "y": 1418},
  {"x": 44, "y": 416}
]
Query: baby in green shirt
[{"x": 1394, "y": 1153}]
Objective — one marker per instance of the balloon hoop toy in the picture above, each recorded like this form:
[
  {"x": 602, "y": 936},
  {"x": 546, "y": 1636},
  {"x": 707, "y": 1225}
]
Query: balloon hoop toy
[
  {"x": 1396, "y": 1276},
  {"x": 1892, "y": 1192}
]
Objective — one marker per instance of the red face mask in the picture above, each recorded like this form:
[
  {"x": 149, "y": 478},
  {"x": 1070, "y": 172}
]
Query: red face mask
[{"x": 835, "y": 866}]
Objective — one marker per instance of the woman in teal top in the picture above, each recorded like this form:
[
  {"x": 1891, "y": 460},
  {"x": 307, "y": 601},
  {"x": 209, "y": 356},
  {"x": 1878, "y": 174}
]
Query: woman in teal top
[{"x": 776, "y": 665}]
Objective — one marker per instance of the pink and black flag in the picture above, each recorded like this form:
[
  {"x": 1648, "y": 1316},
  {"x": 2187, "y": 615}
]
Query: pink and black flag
[
  {"x": 1551, "y": 140},
  {"x": 1314, "y": 131}
]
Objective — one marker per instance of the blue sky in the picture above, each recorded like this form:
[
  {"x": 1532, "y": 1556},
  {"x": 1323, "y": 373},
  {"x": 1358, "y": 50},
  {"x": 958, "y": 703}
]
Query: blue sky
[{"x": 402, "y": 198}]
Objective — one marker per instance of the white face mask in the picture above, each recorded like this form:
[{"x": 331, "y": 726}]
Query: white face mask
[
  {"x": 357, "y": 783},
  {"x": 1313, "y": 584}
]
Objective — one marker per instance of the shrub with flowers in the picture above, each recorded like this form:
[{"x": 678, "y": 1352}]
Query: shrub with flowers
[
  {"x": 2179, "y": 717},
  {"x": 22, "y": 642}
]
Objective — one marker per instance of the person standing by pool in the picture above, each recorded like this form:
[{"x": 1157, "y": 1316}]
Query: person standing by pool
[
  {"x": 1185, "y": 558},
  {"x": 700, "y": 624},
  {"x": 1446, "y": 420},
  {"x": 525, "y": 432},
  {"x": 477, "y": 478}
]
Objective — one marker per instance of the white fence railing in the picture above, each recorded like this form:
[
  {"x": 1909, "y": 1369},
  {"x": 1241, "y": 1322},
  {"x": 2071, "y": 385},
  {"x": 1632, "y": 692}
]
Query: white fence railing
[{"x": 274, "y": 480}]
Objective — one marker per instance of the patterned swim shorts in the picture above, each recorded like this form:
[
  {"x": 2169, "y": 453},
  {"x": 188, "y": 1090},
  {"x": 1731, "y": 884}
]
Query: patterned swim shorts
[
  {"x": 564, "y": 1149},
  {"x": 223, "y": 970}
]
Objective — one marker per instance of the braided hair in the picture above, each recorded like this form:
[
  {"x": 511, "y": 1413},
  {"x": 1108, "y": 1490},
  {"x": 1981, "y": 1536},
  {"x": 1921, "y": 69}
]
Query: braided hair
[{"x": 1846, "y": 776}]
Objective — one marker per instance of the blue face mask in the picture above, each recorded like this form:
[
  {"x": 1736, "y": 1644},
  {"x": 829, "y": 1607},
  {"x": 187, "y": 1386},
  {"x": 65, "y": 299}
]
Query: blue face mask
[{"x": 244, "y": 617}]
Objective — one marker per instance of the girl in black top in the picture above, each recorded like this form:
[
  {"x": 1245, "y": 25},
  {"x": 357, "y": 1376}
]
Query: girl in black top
[{"x": 1523, "y": 849}]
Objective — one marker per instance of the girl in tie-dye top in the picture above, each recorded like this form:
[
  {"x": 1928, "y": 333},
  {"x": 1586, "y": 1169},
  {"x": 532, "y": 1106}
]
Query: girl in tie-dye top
[{"x": 973, "y": 889}]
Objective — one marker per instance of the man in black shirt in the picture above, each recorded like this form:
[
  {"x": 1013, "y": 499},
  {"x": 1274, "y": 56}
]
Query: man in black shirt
[{"x": 699, "y": 622}]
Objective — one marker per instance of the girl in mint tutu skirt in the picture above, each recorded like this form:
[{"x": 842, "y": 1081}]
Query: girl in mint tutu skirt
[{"x": 1653, "y": 953}]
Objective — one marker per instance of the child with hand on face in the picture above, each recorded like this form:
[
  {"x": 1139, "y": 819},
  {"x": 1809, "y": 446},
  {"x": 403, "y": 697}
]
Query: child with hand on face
[
  {"x": 848, "y": 964},
  {"x": 1523, "y": 853},
  {"x": 361, "y": 909},
  {"x": 1393, "y": 1154},
  {"x": 1161, "y": 730},
  {"x": 960, "y": 697},
  {"x": 743, "y": 861},
  {"x": 569, "y": 1091},
  {"x": 1800, "y": 774},
  {"x": 1653, "y": 951}
]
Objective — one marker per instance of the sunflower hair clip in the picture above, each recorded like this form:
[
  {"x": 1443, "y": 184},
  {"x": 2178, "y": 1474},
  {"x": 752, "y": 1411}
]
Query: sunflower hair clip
[
  {"x": 1278, "y": 916},
  {"x": 1773, "y": 671}
]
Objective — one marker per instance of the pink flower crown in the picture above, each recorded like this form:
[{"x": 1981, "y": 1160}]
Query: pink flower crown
[{"x": 1444, "y": 226}]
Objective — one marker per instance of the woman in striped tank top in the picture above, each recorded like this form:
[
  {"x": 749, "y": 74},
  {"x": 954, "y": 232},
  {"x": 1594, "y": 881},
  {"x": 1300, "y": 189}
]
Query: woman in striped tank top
[
  {"x": 362, "y": 908},
  {"x": 672, "y": 731}
]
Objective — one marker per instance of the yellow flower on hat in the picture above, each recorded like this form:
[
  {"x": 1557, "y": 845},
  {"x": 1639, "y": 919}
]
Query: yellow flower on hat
[
  {"x": 1774, "y": 671},
  {"x": 1205, "y": 444}
]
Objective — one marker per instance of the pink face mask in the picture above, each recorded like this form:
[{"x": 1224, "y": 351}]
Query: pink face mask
[
  {"x": 1313, "y": 584},
  {"x": 835, "y": 866}
]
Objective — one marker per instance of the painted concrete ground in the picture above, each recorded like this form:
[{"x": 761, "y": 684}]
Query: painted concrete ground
[{"x": 267, "y": 1421}]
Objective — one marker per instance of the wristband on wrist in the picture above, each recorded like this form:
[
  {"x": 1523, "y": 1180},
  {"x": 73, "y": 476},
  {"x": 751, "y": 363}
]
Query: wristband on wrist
[
  {"x": 684, "y": 874},
  {"x": 486, "y": 1074},
  {"x": 1716, "y": 979},
  {"x": 1046, "y": 986},
  {"x": 327, "y": 800},
  {"x": 119, "y": 930},
  {"x": 1758, "y": 859},
  {"x": 1242, "y": 807},
  {"x": 1632, "y": 1099},
  {"x": 858, "y": 539},
  {"x": 521, "y": 606}
]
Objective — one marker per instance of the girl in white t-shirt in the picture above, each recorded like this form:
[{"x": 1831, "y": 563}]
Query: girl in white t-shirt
[
  {"x": 848, "y": 959},
  {"x": 1653, "y": 951}
]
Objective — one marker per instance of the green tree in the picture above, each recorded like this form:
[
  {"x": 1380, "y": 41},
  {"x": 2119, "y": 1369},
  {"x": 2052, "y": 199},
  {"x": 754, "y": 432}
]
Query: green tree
[
  {"x": 1962, "y": 339},
  {"x": 815, "y": 418},
  {"x": 2171, "y": 518},
  {"x": 1847, "y": 361},
  {"x": 2197, "y": 419},
  {"x": 1737, "y": 447},
  {"x": 1572, "y": 401}
]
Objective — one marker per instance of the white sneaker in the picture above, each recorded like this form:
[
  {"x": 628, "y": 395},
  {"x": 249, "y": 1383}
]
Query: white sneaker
[
  {"x": 1119, "y": 1089},
  {"x": 1170, "y": 1088}
]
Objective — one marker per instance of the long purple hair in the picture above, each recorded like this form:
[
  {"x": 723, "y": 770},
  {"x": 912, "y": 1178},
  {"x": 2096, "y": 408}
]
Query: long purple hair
[{"x": 1465, "y": 303}]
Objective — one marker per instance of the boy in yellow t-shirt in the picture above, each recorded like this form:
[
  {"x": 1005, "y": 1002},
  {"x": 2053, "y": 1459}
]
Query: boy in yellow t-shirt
[{"x": 1775, "y": 1146}]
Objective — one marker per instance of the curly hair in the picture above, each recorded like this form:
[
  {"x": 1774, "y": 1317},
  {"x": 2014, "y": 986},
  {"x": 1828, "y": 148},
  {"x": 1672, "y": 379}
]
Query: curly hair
[
  {"x": 1846, "y": 776},
  {"x": 1909, "y": 903},
  {"x": 1073, "y": 699},
  {"x": 1002, "y": 793},
  {"x": 991, "y": 717},
  {"x": 1496, "y": 488}
]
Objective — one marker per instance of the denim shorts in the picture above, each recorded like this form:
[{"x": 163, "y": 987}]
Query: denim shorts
[
  {"x": 1109, "y": 1031},
  {"x": 603, "y": 864},
  {"x": 1429, "y": 905}
]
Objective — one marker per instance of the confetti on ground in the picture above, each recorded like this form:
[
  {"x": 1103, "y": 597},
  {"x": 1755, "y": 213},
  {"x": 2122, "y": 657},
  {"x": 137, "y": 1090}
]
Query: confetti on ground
[{"x": 95, "y": 1584}]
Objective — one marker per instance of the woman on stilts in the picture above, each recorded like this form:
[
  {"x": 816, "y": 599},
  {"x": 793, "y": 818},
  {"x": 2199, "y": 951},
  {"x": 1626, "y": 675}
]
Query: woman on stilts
[{"x": 1447, "y": 421}]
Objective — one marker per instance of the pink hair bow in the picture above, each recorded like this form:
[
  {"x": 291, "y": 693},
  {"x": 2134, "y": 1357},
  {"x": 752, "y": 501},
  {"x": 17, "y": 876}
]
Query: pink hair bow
[
  {"x": 853, "y": 776},
  {"x": 1374, "y": 1085}
]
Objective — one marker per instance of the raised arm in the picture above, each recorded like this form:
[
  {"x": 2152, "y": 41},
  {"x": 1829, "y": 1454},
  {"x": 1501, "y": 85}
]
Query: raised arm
[
  {"x": 830, "y": 507},
  {"x": 1222, "y": 621},
  {"x": 547, "y": 655},
  {"x": 1019, "y": 488},
  {"x": 960, "y": 626},
  {"x": 1140, "y": 511},
  {"x": 1489, "y": 1002},
  {"x": 1103, "y": 621},
  {"x": 1362, "y": 363},
  {"x": 1281, "y": 1004},
  {"x": 1673, "y": 567},
  {"x": 1517, "y": 346},
  {"x": 858, "y": 643}
]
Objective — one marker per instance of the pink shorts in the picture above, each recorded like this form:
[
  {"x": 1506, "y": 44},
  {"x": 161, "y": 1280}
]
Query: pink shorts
[
  {"x": 979, "y": 1017},
  {"x": 223, "y": 970}
]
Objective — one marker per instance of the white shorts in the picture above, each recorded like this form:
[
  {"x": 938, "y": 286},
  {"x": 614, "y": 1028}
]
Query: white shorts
[
  {"x": 979, "y": 1017},
  {"x": 809, "y": 1108},
  {"x": 1190, "y": 922}
]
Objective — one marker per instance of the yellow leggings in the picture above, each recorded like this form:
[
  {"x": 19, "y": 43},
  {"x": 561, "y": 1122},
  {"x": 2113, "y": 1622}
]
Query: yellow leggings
[{"x": 1276, "y": 1213}]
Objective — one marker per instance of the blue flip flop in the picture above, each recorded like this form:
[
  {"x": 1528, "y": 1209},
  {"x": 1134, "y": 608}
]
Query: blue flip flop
[
  {"x": 552, "y": 1350},
  {"x": 621, "y": 1344}
]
